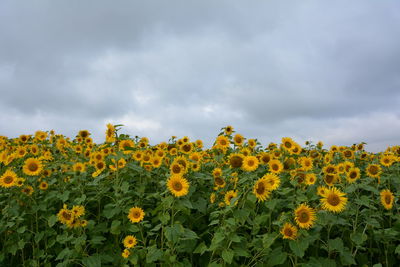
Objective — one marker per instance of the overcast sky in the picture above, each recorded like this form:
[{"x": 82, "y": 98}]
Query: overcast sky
[{"x": 311, "y": 70}]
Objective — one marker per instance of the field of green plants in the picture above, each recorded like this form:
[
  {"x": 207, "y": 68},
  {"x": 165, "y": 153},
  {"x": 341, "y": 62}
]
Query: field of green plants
[{"x": 124, "y": 202}]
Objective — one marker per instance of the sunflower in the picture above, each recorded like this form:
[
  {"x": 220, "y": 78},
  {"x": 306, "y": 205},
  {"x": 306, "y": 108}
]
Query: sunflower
[
  {"x": 387, "y": 199},
  {"x": 322, "y": 190},
  {"x": 348, "y": 154},
  {"x": 65, "y": 216},
  {"x": 238, "y": 139},
  {"x": 330, "y": 179},
  {"x": 126, "y": 146},
  {"x": 306, "y": 163},
  {"x": 177, "y": 169},
  {"x": 78, "y": 211},
  {"x": 110, "y": 133},
  {"x": 275, "y": 166},
  {"x": 43, "y": 185},
  {"x": 289, "y": 231},
  {"x": 311, "y": 178},
  {"x": 32, "y": 166},
  {"x": 228, "y": 197},
  {"x": 219, "y": 182},
  {"x": 212, "y": 198},
  {"x": 260, "y": 189},
  {"x": 178, "y": 185},
  {"x": 334, "y": 200},
  {"x": 387, "y": 160},
  {"x": 136, "y": 214},
  {"x": 125, "y": 254},
  {"x": 130, "y": 241},
  {"x": 304, "y": 216},
  {"x": 27, "y": 190},
  {"x": 272, "y": 181},
  {"x": 186, "y": 148},
  {"x": 156, "y": 162},
  {"x": 84, "y": 133},
  {"x": 374, "y": 170},
  {"x": 79, "y": 167},
  {"x": 287, "y": 143},
  {"x": 264, "y": 158},
  {"x": 8, "y": 179},
  {"x": 217, "y": 172},
  {"x": 252, "y": 143},
  {"x": 228, "y": 130},
  {"x": 353, "y": 175},
  {"x": 250, "y": 163},
  {"x": 236, "y": 160}
]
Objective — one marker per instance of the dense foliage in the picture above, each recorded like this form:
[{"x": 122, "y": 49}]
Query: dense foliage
[{"x": 124, "y": 202}]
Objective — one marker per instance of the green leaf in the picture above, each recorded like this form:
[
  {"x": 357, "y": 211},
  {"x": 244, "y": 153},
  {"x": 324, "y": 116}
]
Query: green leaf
[
  {"x": 153, "y": 254},
  {"x": 268, "y": 240},
  {"x": 66, "y": 252},
  {"x": 276, "y": 257},
  {"x": 201, "y": 248},
  {"x": 347, "y": 258},
  {"x": 189, "y": 234},
  {"x": 241, "y": 252},
  {"x": 164, "y": 218},
  {"x": 397, "y": 251},
  {"x": 336, "y": 244},
  {"x": 298, "y": 247},
  {"x": 227, "y": 255},
  {"x": 51, "y": 221},
  {"x": 38, "y": 237},
  {"x": 21, "y": 229},
  {"x": 115, "y": 227},
  {"x": 94, "y": 260},
  {"x": 358, "y": 238},
  {"x": 97, "y": 240}
]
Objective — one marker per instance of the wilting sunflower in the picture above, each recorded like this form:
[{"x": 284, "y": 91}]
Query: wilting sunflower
[
  {"x": 304, "y": 216},
  {"x": 272, "y": 181},
  {"x": 260, "y": 189},
  {"x": 178, "y": 185},
  {"x": 8, "y": 179},
  {"x": 353, "y": 175},
  {"x": 32, "y": 166},
  {"x": 275, "y": 166},
  {"x": 136, "y": 214},
  {"x": 228, "y": 197},
  {"x": 374, "y": 170},
  {"x": 387, "y": 199},
  {"x": 130, "y": 241},
  {"x": 334, "y": 200},
  {"x": 236, "y": 160},
  {"x": 250, "y": 163},
  {"x": 289, "y": 231}
]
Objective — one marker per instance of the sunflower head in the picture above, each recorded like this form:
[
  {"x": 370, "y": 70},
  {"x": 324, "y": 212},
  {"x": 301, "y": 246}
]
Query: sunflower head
[
  {"x": 334, "y": 200},
  {"x": 32, "y": 166},
  {"x": 228, "y": 197},
  {"x": 250, "y": 163},
  {"x": 8, "y": 179},
  {"x": 304, "y": 216},
  {"x": 129, "y": 241},
  {"x": 178, "y": 185},
  {"x": 136, "y": 214},
  {"x": 260, "y": 189},
  {"x": 289, "y": 231},
  {"x": 387, "y": 199}
]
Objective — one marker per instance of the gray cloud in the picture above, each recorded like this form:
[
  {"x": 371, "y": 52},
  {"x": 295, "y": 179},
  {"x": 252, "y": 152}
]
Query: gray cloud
[{"x": 306, "y": 69}]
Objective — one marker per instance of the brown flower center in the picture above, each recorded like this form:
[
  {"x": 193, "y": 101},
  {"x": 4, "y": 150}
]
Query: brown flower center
[
  {"x": 177, "y": 186},
  {"x": 333, "y": 199},
  {"x": 33, "y": 166}
]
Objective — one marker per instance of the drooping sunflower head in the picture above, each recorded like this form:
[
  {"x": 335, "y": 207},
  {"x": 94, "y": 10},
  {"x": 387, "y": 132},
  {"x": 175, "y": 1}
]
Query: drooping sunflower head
[
  {"x": 387, "y": 199},
  {"x": 289, "y": 231},
  {"x": 129, "y": 241},
  {"x": 260, "y": 189},
  {"x": 334, "y": 200},
  {"x": 304, "y": 216},
  {"x": 136, "y": 214},
  {"x": 178, "y": 185}
]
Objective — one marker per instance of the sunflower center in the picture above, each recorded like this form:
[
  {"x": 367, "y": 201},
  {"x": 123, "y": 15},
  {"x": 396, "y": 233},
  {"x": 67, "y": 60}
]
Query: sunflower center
[
  {"x": 176, "y": 168},
  {"x": 33, "y": 167},
  {"x": 333, "y": 199},
  {"x": 275, "y": 167},
  {"x": 219, "y": 181},
  {"x": 353, "y": 175},
  {"x": 177, "y": 186},
  {"x": 388, "y": 199},
  {"x": 304, "y": 217},
  {"x": 373, "y": 170},
  {"x": 288, "y": 144},
  {"x": 260, "y": 188},
  {"x": 250, "y": 163},
  {"x": 8, "y": 179},
  {"x": 288, "y": 232},
  {"x": 329, "y": 178},
  {"x": 236, "y": 161},
  {"x": 66, "y": 216},
  {"x": 136, "y": 214}
]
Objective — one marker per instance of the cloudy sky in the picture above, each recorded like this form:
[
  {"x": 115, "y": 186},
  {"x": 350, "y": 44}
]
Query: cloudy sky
[{"x": 311, "y": 70}]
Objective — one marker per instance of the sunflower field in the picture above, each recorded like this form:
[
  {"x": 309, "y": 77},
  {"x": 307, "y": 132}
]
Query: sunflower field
[{"x": 124, "y": 202}]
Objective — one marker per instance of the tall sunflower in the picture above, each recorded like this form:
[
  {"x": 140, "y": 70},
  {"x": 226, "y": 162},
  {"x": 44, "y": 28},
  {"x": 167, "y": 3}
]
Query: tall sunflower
[
  {"x": 334, "y": 200},
  {"x": 304, "y": 216},
  {"x": 387, "y": 199},
  {"x": 178, "y": 185},
  {"x": 8, "y": 179},
  {"x": 260, "y": 189},
  {"x": 289, "y": 231},
  {"x": 32, "y": 166},
  {"x": 136, "y": 214}
]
